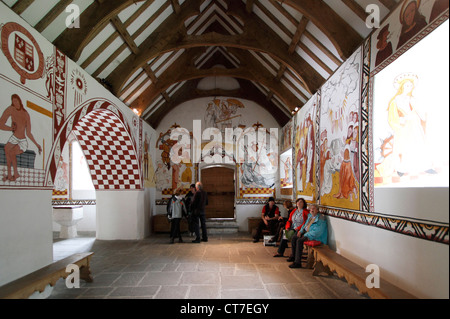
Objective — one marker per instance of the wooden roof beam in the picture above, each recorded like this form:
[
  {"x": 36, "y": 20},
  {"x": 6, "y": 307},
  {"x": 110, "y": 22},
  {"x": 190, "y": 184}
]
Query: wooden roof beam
[
  {"x": 117, "y": 52},
  {"x": 356, "y": 8},
  {"x": 52, "y": 15},
  {"x": 190, "y": 92},
  {"x": 176, "y": 6},
  {"x": 114, "y": 36},
  {"x": 250, "y": 70},
  {"x": 390, "y": 4},
  {"x": 170, "y": 36},
  {"x": 92, "y": 20},
  {"x": 125, "y": 35},
  {"x": 20, "y": 6},
  {"x": 340, "y": 33},
  {"x": 301, "y": 27},
  {"x": 249, "y": 6}
]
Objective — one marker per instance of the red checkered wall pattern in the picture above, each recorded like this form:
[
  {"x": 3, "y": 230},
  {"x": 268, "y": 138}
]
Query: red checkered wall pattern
[{"x": 109, "y": 151}]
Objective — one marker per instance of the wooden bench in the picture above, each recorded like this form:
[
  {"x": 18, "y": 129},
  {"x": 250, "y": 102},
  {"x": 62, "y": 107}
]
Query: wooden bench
[
  {"x": 328, "y": 261},
  {"x": 24, "y": 287},
  {"x": 308, "y": 253},
  {"x": 162, "y": 225}
]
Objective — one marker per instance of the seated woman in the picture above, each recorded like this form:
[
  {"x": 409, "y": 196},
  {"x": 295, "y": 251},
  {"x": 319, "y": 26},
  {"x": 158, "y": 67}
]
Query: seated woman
[
  {"x": 282, "y": 222},
  {"x": 315, "y": 228},
  {"x": 296, "y": 220}
]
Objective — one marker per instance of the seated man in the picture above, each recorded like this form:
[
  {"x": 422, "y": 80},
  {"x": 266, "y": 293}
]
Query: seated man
[
  {"x": 269, "y": 216},
  {"x": 315, "y": 228}
]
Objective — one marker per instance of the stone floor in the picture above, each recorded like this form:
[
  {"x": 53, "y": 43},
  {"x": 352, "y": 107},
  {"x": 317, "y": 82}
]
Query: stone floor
[{"x": 226, "y": 267}]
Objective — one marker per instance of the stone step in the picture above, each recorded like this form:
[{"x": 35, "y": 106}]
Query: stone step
[{"x": 222, "y": 226}]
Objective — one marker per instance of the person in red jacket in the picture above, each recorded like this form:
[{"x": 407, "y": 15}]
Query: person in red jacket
[
  {"x": 296, "y": 220},
  {"x": 269, "y": 219}
]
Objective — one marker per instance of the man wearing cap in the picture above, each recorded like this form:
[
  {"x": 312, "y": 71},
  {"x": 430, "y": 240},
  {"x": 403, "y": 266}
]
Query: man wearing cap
[{"x": 269, "y": 219}]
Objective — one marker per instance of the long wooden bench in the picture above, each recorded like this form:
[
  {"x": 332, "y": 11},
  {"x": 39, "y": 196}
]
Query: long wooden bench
[
  {"x": 328, "y": 261},
  {"x": 24, "y": 287}
]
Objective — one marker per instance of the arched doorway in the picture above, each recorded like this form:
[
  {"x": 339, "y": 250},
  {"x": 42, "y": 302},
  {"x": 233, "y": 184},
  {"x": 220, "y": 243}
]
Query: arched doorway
[
  {"x": 109, "y": 149},
  {"x": 218, "y": 182},
  {"x": 105, "y": 139}
]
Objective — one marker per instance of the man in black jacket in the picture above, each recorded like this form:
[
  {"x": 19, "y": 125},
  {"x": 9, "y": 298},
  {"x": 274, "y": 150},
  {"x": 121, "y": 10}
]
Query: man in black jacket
[
  {"x": 198, "y": 204},
  {"x": 188, "y": 200},
  {"x": 269, "y": 219}
]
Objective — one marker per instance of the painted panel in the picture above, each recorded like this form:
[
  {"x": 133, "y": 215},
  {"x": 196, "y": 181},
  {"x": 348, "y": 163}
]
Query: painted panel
[
  {"x": 339, "y": 136},
  {"x": 403, "y": 28},
  {"x": 410, "y": 116},
  {"x": 305, "y": 150}
]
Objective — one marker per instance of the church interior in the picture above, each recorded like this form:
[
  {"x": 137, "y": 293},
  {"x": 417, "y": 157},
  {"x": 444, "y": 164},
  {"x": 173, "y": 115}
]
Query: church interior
[{"x": 109, "y": 108}]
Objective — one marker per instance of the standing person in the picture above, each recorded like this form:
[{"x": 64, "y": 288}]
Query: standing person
[
  {"x": 296, "y": 220},
  {"x": 21, "y": 129},
  {"x": 315, "y": 228},
  {"x": 199, "y": 201},
  {"x": 269, "y": 219},
  {"x": 188, "y": 200},
  {"x": 176, "y": 209}
]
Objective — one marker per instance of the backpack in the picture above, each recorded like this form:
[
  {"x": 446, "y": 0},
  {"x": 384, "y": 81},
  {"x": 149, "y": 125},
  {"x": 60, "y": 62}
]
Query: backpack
[{"x": 169, "y": 208}]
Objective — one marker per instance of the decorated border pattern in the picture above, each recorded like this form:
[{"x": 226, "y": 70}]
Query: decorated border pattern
[
  {"x": 73, "y": 202},
  {"x": 365, "y": 143},
  {"x": 249, "y": 201},
  {"x": 317, "y": 146},
  {"x": 420, "y": 229}
]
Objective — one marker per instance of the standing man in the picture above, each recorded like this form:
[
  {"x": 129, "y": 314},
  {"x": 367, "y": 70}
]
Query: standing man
[
  {"x": 188, "y": 200},
  {"x": 21, "y": 129},
  {"x": 198, "y": 204},
  {"x": 269, "y": 219}
]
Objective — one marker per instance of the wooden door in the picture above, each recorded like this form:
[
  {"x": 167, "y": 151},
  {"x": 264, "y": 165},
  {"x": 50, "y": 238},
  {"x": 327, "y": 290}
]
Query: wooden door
[{"x": 218, "y": 182}]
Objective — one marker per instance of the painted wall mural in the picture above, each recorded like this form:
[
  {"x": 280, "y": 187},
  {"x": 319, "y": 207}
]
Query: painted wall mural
[
  {"x": 287, "y": 133},
  {"x": 394, "y": 36},
  {"x": 286, "y": 170},
  {"x": 26, "y": 112},
  {"x": 170, "y": 176},
  {"x": 410, "y": 124},
  {"x": 339, "y": 136},
  {"x": 253, "y": 180},
  {"x": 305, "y": 153},
  {"x": 223, "y": 113},
  {"x": 61, "y": 188},
  {"x": 257, "y": 175},
  {"x": 46, "y": 95},
  {"x": 149, "y": 175}
]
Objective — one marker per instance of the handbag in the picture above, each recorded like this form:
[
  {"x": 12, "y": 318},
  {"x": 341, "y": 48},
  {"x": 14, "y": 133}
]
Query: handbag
[{"x": 288, "y": 234}]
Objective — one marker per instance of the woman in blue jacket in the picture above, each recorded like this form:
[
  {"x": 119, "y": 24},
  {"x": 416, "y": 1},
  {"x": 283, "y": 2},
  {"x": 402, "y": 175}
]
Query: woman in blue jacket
[{"x": 315, "y": 228}]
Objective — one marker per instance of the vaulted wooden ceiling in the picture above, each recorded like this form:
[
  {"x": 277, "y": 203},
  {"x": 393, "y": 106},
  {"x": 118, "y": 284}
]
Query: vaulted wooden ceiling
[{"x": 156, "y": 54}]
